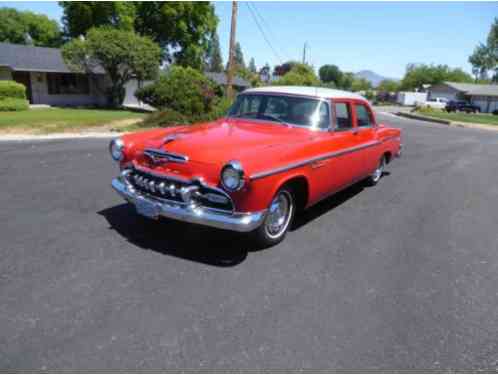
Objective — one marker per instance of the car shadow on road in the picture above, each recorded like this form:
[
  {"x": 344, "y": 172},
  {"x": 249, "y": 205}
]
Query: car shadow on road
[
  {"x": 205, "y": 244},
  {"x": 328, "y": 204},
  {"x": 188, "y": 241}
]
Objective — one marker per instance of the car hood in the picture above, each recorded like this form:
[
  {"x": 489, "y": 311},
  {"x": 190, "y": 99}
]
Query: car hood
[{"x": 228, "y": 139}]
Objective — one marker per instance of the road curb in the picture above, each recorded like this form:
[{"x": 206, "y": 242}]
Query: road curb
[
  {"x": 55, "y": 136},
  {"x": 447, "y": 122}
]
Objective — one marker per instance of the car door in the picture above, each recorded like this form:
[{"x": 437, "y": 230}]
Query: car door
[
  {"x": 366, "y": 137},
  {"x": 344, "y": 164}
]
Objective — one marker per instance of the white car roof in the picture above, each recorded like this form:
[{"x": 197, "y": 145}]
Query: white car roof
[{"x": 320, "y": 92}]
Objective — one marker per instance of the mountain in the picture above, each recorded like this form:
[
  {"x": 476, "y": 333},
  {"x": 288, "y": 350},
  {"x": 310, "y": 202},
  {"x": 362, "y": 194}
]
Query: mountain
[{"x": 372, "y": 77}]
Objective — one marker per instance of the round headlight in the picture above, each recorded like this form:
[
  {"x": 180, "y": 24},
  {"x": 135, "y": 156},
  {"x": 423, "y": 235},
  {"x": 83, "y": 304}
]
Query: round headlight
[
  {"x": 232, "y": 176},
  {"x": 116, "y": 149}
]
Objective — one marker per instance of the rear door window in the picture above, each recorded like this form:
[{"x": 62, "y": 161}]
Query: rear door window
[{"x": 343, "y": 116}]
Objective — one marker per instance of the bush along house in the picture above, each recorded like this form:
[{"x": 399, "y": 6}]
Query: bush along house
[{"x": 484, "y": 96}]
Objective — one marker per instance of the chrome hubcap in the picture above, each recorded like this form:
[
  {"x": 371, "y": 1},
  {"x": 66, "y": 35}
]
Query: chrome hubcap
[
  {"x": 378, "y": 172},
  {"x": 279, "y": 215}
]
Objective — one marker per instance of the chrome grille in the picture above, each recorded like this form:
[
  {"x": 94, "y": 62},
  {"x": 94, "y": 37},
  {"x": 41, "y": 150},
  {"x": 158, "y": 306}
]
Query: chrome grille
[{"x": 179, "y": 191}]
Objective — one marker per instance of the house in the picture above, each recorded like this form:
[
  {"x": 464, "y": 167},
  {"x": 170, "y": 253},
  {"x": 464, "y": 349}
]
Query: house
[
  {"x": 47, "y": 78},
  {"x": 49, "y": 81},
  {"x": 484, "y": 96},
  {"x": 239, "y": 84}
]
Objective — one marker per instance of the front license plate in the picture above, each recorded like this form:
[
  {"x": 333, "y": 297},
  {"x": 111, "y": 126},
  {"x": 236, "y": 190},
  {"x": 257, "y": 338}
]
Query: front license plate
[{"x": 146, "y": 208}]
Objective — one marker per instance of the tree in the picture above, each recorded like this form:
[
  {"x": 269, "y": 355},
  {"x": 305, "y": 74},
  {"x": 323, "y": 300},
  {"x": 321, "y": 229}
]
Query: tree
[
  {"x": 299, "y": 75},
  {"x": 28, "y": 28},
  {"x": 184, "y": 90},
  {"x": 281, "y": 70},
  {"x": 239, "y": 56},
  {"x": 330, "y": 74},
  {"x": 252, "y": 66},
  {"x": 485, "y": 56},
  {"x": 419, "y": 74},
  {"x": 492, "y": 44},
  {"x": 110, "y": 49},
  {"x": 360, "y": 84},
  {"x": 80, "y": 16},
  {"x": 181, "y": 29},
  {"x": 388, "y": 85},
  {"x": 214, "y": 62}
]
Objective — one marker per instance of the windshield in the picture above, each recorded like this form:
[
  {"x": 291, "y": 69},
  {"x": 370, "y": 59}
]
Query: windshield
[{"x": 309, "y": 112}]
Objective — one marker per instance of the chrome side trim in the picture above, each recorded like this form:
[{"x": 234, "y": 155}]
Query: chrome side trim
[
  {"x": 237, "y": 221},
  {"x": 391, "y": 138},
  {"x": 157, "y": 155},
  {"x": 312, "y": 160}
]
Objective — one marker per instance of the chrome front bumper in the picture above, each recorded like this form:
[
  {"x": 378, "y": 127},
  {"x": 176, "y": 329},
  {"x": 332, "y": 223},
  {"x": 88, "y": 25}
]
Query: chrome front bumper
[{"x": 239, "y": 222}]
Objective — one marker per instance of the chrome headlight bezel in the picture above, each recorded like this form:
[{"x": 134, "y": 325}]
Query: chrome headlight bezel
[
  {"x": 234, "y": 167},
  {"x": 116, "y": 147}
]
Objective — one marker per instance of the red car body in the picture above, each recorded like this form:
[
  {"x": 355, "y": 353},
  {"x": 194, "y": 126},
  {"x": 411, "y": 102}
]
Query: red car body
[{"x": 320, "y": 161}]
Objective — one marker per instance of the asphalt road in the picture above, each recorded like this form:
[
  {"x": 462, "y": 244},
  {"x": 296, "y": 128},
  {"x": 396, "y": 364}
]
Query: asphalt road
[{"x": 403, "y": 275}]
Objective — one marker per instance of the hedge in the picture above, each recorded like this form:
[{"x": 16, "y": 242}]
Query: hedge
[
  {"x": 13, "y": 104},
  {"x": 11, "y": 89}
]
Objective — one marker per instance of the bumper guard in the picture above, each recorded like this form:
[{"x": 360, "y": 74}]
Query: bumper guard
[{"x": 239, "y": 222}]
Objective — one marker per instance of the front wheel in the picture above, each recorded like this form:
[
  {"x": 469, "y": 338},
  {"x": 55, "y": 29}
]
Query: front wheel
[
  {"x": 277, "y": 220},
  {"x": 377, "y": 174}
]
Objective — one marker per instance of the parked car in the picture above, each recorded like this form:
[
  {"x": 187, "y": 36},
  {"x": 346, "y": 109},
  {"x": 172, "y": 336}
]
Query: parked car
[
  {"x": 436, "y": 103},
  {"x": 279, "y": 150},
  {"x": 459, "y": 105}
]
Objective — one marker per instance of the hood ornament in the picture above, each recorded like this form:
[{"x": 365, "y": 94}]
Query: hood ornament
[{"x": 169, "y": 138}]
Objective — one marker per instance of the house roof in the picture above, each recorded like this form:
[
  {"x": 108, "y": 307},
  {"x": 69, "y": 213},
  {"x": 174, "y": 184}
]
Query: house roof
[
  {"x": 30, "y": 58},
  {"x": 221, "y": 79},
  {"x": 474, "y": 88},
  {"x": 320, "y": 92}
]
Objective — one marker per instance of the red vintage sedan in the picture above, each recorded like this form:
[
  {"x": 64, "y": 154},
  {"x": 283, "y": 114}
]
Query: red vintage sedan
[{"x": 278, "y": 150}]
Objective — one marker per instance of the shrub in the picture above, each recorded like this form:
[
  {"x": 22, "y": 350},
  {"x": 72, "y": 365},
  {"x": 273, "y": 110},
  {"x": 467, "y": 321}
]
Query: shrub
[
  {"x": 13, "y": 104},
  {"x": 11, "y": 89},
  {"x": 184, "y": 90}
]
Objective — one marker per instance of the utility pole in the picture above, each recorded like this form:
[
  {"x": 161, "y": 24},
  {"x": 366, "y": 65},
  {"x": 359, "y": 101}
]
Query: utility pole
[
  {"x": 304, "y": 53},
  {"x": 231, "y": 53}
]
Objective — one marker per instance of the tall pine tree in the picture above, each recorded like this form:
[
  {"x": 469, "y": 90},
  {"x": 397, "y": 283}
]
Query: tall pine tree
[
  {"x": 214, "y": 61},
  {"x": 252, "y": 65}
]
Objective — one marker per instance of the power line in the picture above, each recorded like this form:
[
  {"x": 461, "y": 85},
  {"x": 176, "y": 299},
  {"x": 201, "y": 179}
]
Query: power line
[
  {"x": 270, "y": 31},
  {"x": 263, "y": 33}
]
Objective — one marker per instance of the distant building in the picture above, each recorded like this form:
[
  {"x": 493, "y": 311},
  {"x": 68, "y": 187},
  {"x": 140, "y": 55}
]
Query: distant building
[
  {"x": 484, "y": 96},
  {"x": 410, "y": 98}
]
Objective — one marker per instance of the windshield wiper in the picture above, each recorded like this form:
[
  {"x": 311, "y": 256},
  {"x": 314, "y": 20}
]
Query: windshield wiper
[
  {"x": 277, "y": 119},
  {"x": 258, "y": 117}
]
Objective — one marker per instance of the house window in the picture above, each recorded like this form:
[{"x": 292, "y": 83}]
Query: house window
[{"x": 67, "y": 83}]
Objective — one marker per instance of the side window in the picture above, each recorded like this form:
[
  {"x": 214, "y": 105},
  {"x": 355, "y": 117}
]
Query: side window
[
  {"x": 343, "y": 116},
  {"x": 363, "y": 116}
]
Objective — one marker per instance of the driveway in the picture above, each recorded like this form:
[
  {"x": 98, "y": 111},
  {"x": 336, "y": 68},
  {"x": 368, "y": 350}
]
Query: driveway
[{"x": 402, "y": 275}]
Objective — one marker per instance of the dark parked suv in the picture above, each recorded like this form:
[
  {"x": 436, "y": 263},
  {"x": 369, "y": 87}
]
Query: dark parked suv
[{"x": 454, "y": 106}]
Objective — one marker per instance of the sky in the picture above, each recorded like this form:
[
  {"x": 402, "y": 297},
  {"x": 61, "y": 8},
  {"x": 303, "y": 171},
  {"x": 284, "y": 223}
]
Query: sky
[{"x": 380, "y": 36}]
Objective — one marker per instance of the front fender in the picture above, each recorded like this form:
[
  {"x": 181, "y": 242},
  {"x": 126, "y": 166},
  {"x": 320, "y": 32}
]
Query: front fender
[{"x": 258, "y": 193}]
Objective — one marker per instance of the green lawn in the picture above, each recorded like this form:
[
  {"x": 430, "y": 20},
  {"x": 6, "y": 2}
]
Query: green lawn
[
  {"x": 487, "y": 119},
  {"x": 54, "y": 120}
]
